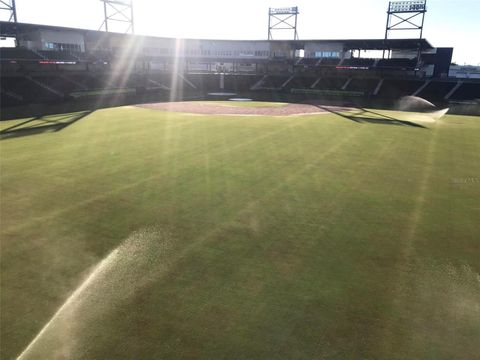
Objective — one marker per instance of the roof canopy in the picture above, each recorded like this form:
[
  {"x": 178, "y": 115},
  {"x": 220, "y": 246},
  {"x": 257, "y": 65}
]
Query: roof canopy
[{"x": 11, "y": 29}]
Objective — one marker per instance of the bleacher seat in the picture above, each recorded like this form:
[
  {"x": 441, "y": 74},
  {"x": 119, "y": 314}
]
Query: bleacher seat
[
  {"x": 308, "y": 62},
  {"x": 436, "y": 90},
  {"x": 30, "y": 91},
  {"x": 275, "y": 81},
  {"x": 58, "y": 83},
  {"x": 467, "y": 91},
  {"x": 368, "y": 86},
  {"x": 18, "y": 53},
  {"x": 397, "y": 63},
  {"x": 241, "y": 82},
  {"x": 358, "y": 62},
  {"x": 58, "y": 55},
  {"x": 300, "y": 82},
  {"x": 396, "y": 88},
  {"x": 330, "y": 83},
  {"x": 329, "y": 62}
]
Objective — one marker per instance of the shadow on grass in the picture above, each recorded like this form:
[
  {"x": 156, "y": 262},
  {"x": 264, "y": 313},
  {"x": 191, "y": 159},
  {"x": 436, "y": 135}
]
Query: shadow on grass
[
  {"x": 367, "y": 116},
  {"x": 42, "y": 124}
]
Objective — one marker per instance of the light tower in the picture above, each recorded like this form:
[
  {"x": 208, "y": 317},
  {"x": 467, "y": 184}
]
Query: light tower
[
  {"x": 406, "y": 15},
  {"x": 282, "y": 19},
  {"x": 9, "y": 6},
  {"x": 120, "y": 11}
]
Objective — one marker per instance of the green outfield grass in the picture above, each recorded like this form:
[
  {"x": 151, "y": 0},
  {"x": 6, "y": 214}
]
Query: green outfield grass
[{"x": 174, "y": 236}]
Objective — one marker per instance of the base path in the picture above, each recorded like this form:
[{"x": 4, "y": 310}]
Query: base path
[{"x": 204, "y": 107}]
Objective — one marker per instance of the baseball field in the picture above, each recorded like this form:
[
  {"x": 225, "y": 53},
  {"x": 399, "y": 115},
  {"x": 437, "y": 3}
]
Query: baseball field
[{"x": 240, "y": 231}]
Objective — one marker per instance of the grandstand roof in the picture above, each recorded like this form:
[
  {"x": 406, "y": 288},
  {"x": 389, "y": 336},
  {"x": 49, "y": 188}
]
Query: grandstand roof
[
  {"x": 10, "y": 29},
  {"x": 380, "y": 44}
]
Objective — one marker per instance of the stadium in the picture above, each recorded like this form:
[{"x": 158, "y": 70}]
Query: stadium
[{"x": 167, "y": 198}]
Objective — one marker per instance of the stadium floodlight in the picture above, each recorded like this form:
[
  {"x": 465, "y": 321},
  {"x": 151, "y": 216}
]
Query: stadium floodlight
[
  {"x": 283, "y": 19},
  {"x": 118, "y": 11},
  {"x": 284, "y": 11},
  {"x": 406, "y": 15},
  {"x": 407, "y": 6},
  {"x": 9, "y": 6}
]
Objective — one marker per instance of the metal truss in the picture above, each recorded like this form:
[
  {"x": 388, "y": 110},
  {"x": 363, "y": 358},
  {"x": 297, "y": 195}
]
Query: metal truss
[
  {"x": 118, "y": 11},
  {"x": 406, "y": 15},
  {"x": 9, "y": 5},
  {"x": 282, "y": 19}
]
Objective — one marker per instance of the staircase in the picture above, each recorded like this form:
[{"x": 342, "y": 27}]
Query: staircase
[
  {"x": 192, "y": 85},
  {"x": 156, "y": 83},
  {"x": 37, "y": 53},
  {"x": 287, "y": 81},
  {"x": 455, "y": 88},
  {"x": 344, "y": 87},
  {"x": 74, "y": 56},
  {"x": 80, "y": 85},
  {"x": 11, "y": 94},
  {"x": 44, "y": 86},
  {"x": 423, "y": 86},
  {"x": 315, "y": 83},
  {"x": 378, "y": 87},
  {"x": 259, "y": 83}
]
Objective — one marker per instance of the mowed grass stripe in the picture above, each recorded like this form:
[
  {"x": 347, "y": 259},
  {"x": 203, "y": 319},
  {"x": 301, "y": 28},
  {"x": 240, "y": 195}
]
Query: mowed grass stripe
[
  {"x": 25, "y": 242},
  {"x": 180, "y": 158}
]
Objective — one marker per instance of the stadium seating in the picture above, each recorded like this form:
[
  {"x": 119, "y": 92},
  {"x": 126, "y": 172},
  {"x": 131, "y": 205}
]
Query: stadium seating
[
  {"x": 205, "y": 83},
  {"x": 308, "y": 62},
  {"x": 58, "y": 55},
  {"x": 274, "y": 81},
  {"x": 331, "y": 83},
  {"x": 358, "y": 62},
  {"x": 436, "y": 91},
  {"x": 8, "y": 99},
  {"x": 396, "y": 88},
  {"x": 102, "y": 70},
  {"x": 329, "y": 62},
  {"x": 366, "y": 85},
  {"x": 18, "y": 53},
  {"x": 467, "y": 91},
  {"x": 58, "y": 83},
  {"x": 397, "y": 63},
  {"x": 29, "y": 90},
  {"x": 99, "y": 55},
  {"x": 90, "y": 81},
  {"x": 239, "y": 83},
  {"x": 300, "y": 82}
]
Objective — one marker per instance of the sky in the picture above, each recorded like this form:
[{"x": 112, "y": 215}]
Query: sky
[{"x": 447, "y": 23}]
